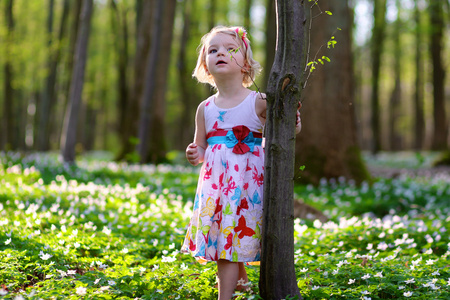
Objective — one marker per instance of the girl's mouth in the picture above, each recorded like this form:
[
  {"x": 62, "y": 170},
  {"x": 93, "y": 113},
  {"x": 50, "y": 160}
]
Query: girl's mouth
[{"x": 220, "y": 62}]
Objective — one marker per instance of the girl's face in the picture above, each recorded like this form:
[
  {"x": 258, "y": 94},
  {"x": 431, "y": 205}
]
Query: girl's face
[{"x": 222, "y": 57}]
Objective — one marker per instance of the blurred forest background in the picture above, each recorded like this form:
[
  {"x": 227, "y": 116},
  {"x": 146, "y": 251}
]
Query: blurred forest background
[{"x": 115, "y": 75}]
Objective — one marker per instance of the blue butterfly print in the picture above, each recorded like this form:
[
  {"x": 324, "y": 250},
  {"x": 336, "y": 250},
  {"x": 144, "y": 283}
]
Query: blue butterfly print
[
  {"x": 237, "y": 195},
  {"x": 211, "y": 243},
  {"x": 255, "y": 199},
  {"x": 224, "y": 164},
  {"x": 221, "y": 114},
  {"x": 196, "y": 202}
]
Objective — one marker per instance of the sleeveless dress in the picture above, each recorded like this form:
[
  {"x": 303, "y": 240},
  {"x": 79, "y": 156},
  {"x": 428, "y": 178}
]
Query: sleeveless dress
[{"x": 228, "y": 205}]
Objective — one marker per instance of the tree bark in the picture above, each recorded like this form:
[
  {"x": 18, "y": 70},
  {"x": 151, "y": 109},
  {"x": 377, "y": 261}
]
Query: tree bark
[
  {"x": 395, "y": 138},
  {"x": 277, "y": 276},
  {"x": 271, "y": 36},
  {"x": 8, "y": 90},
  {"x": 419, "y": 119},
  {"x": 327, "y": 145},
  {"x": 378, "y": 32},
  {"x": 143, "y": 35},
  {"x": 440, "y": 126},
  {"x": 68, "y": 138},
  {"x": 247, "y": 14}
]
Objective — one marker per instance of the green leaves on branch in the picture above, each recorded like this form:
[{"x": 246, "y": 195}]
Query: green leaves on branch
[{"x": 313, "y": 63}]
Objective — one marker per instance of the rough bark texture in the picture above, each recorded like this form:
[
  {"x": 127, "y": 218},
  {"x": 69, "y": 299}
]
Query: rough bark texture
[
  {"x": 440, "y": 126},
  {"x": 68, "y": 138},
  {"x": 327, "y": 145},
  {"x": 378, "y": 32},
  {"x": 271, "y": 38},
  {"x": 277, "y": 276}
]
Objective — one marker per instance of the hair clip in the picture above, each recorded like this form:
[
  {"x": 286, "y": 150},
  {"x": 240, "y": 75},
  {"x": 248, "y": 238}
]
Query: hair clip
[{"x": 242, "y": 34}]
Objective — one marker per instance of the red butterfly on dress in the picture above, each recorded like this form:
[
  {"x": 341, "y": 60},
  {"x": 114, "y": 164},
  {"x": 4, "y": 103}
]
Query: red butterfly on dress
[{"x": 242, "y": 227}]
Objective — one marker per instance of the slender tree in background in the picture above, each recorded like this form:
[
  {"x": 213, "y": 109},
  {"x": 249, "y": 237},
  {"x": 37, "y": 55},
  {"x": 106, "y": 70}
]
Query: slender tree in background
[
  {"x": 271, "y": 36},
  {"x": 327, "y": 145},
  {"x": 247, "y": 14},
  {"x": 157, "y": 131},
  {"x": 277, "y": 275},
  {"x": 395, "y": 138},
  {"x": 68, "y": 138},
  {"x": 119, "y": 25},
  {"x": 129, "y": 133},
  {"x": 151, "y": 146},
  {"x": 8, "y": 90},
  {"x": 419, "y": 119},
  {"x": 377, "y": 42},
  {"x": 440, "y": 126}
]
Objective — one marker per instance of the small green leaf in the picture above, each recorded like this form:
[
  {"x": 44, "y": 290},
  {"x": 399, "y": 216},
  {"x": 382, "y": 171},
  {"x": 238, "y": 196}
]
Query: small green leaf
[
  {"x": 321, "y": 61},
  {"x": 329, "y": 13},
  {"x": 326, "y": 58}
]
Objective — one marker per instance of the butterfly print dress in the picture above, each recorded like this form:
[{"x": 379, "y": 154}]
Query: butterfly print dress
[{"x": 227, "y": 212}]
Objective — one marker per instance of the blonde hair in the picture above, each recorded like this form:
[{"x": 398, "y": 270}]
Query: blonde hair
[{"x": 254, "y": 67}]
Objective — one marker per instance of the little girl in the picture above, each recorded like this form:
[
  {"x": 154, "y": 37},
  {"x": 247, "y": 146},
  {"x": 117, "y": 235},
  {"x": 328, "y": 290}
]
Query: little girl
[{"x": 226, "y": 223}]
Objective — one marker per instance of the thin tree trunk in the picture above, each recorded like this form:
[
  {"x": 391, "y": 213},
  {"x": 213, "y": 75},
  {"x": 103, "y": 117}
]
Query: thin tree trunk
[
  {"x": 68, "y": 138},
  {"x": 277, "y": 275},
  {"x": 128, "y": 139},
  {"x": 271, "y": 38},
  {"x": 247, "y": 14},
  {"x": 395, "y": 138},
  {"x": 378, "y": 32},
  {"x": 8, "y": 90},
  {"x": 419, "y": 120},
  {"x": 440, "y": 126},
  {"x": 120, "y": 28},
  {"x": 150, "y": 87}
]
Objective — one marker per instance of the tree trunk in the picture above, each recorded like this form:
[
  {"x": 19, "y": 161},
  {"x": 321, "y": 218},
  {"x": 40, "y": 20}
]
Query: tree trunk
[
  {"x": 419, "y": 120},
  {"x": 247, "y": 14},
  {"x": 271, "y": 37},
  {"x": 8, "y": 90},
  {"x": 68, "y": 138},
  {"x": 277, "y": 276},
  {"x": 128, "y": 138},
  {"x": 147, "y": 103},
  {"x": 395, "y": 138},
  {"x": 440, "y": 126},
  {"x": 120, "y": 29},
  {"x": 327, "y": 145},
  {"x": 378, "y": 32}
]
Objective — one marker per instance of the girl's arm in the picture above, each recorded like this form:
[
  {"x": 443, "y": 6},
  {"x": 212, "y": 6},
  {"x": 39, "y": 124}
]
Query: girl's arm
[
  {"x": 195, "y": 152},
  {"x": 261, "y": 106}
]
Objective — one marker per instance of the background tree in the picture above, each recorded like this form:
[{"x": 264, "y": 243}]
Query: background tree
[
  {"x": 440, "y": 126},
  {"x": 377, "y": 43},
  {"x": 68, "y": 138},
  {"x": 419, "y": 118},
  {"x": 329, "y": 148},
  {"x": 395, "y": 138},
  {"x": 277, "y": 275}
]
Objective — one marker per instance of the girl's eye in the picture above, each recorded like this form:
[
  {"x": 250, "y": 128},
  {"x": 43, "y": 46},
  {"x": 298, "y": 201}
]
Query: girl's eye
[
  {"x": 231, "y": 49},
  {"x": 212, "y": 51}
]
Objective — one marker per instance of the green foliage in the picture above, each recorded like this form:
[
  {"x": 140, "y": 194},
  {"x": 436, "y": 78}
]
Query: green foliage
[{"x": 103, "y": 230}]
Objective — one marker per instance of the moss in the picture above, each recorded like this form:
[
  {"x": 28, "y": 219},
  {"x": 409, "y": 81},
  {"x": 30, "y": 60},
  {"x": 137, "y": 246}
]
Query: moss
[
  {"x": 357, "y": 168},
  {"x": 443, "y": 160}
]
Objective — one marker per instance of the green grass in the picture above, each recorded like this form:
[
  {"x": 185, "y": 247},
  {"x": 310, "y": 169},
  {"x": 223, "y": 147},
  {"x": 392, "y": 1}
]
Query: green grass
[{"x": 103, "y": 230}]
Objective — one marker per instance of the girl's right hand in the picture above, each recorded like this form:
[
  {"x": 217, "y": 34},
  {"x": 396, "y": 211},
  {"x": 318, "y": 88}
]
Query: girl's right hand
[{"x": 192, "y": 154}]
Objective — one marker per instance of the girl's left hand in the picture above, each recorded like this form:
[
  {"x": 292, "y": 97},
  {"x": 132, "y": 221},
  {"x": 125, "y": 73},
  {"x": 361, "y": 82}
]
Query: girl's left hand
[{"x": 298, "y": 124}]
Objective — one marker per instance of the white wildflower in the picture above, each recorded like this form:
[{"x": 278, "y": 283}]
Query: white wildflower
[
  {"x": 351, "y": 281},
  {"x": 412, "y": 280},
  {"x": 407, "y": 294},
  {"x": 367, "y": 276},
  {"x": 315, "y": 287},
  {"x": 81, "y": 291},
  {"x": 8, "y": 241},
  {"x": 379, "y": 274}
]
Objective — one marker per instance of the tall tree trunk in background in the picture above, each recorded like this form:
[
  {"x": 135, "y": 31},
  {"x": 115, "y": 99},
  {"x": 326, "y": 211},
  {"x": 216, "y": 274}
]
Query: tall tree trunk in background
[
  {"x": 212, "y": 13},
  {"x": 327, "y": 145},
  {"x": 271, "y": 37},
  {"x": 158, "y": 141},
  {"x": 247, "y": 14},
  {"x": 419, "y": 118},
  {"x": 68, "y": 138},
  {"x": 120, "y": 29},
  {"x": 188, "y": 95},
  {"x": 8, "y": 90},
  {"x": 143, "y": 34},
  {"x": 395, "y": 138},
  {"x": 440, "y": 128},
  {"x": 377, "y": 42},
  {"x": 277, "y": 275}
]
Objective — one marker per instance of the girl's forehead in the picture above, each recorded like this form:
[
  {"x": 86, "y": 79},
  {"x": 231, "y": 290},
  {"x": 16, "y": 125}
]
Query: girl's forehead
[{"x": 221, "y": 38}]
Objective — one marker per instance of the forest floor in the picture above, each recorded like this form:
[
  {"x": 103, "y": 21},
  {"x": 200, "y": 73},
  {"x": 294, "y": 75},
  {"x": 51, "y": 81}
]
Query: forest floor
[{"x": 390, "y": 172}]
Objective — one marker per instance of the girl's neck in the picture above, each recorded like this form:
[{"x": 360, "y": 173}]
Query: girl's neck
[{"x": 231, "y": 88}]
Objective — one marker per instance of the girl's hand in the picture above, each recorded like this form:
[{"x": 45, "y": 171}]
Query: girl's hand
[
  {"x": 194, "y": 154},
  {"x": 298, "y": 124}
]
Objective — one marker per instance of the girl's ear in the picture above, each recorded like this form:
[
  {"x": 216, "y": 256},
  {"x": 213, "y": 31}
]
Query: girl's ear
[
  {"x": 206, "y": 70},
  {"x": 245, "y": 68}
]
